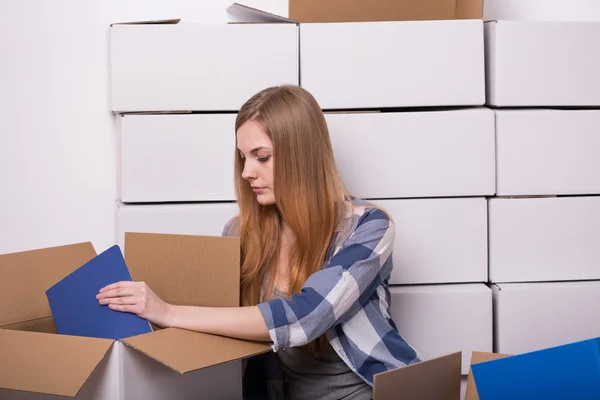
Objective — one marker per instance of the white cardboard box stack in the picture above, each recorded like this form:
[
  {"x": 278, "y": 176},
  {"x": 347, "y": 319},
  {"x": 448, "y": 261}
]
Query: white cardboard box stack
[
  {"x": 430, "y": 169},
  {"x": 543, "y": 226},
  {"x": 176, "y": 88}
]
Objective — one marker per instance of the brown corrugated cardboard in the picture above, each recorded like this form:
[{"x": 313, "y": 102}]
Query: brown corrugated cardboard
[
  {"x": 185, "y": 351},
  {"x": 43, "y": 325},
  {"x": 476, "y": 358},
  {"x": 51, "y": 364},
  {"x": 306, "y": 11},
  {"x": 26, "y": 276},
  {"x": 438, "y": 378},
  {"x": 186, "y": 270}
]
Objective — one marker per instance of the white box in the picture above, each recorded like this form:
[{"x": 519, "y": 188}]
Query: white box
[
  {"x": 415, "y": 154},
  {"x": 194, "y": 66},
  {"x": 177, "y": 157},
  {"x": 544, "y": 239},
  {"x": 547, "y": 152},
  {"x": 442, "y": 319},
  {"x": 542, "y": 63},
  {"x": 542, "y": 10},
  {"x": 393, "y": 64},
  {"x": 439, "y": 240},
  {"x": 185, "y": 219},
  {"x": 535, "y": 316}
]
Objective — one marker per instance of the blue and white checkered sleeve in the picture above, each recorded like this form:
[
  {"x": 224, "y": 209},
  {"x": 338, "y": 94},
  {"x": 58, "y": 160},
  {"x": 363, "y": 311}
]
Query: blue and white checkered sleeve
[{"x": 329, "y": 294}]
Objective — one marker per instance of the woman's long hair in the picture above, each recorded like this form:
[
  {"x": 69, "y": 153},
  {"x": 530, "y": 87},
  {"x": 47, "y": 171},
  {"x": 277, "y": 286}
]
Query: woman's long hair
[{"x": 309, "y": 193}]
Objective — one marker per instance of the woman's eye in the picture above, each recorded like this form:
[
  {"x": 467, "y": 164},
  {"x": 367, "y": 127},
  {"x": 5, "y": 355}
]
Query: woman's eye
[{"x": 263, "y": 159}]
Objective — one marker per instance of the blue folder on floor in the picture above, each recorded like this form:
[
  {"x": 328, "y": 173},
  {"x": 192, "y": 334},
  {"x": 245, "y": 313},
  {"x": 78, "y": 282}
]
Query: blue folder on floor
[
  {"x": 76, "y": 310},
  {"x": 571, "y": 371}
]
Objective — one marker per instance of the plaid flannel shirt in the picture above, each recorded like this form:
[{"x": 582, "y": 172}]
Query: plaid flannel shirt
[{"x": 348, "y": 299}]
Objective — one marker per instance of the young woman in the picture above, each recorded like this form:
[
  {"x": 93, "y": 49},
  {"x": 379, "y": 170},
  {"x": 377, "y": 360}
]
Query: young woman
[{"x": 316, "y": 261}]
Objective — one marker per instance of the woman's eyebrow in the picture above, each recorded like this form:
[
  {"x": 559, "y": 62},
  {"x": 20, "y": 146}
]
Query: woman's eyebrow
[{"x": 254, "y": 150}]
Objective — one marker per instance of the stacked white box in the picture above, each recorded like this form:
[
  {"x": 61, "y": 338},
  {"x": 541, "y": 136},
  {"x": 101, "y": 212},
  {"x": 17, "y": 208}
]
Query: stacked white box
[
  {"x": 439, "y": 240},
  {"x": 443, "y": 319},
  {"x": 393, "y": 64},
  {"x": 415, "y": 154},
  {"x": 547, "y": 152},
  {"x": 542, "y": 63},
  {"x": 186, "y": 157},
  {"x": 534, "y": 316},
  {"x": 198, "y": 67},
  {"x": 542, "y": 229},
  {"x": 544, "y": 239}
]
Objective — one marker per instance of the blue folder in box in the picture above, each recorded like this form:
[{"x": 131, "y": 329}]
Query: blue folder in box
[
  {"x": 76, "y": 310},
  {"x": 571, "y": 371}
]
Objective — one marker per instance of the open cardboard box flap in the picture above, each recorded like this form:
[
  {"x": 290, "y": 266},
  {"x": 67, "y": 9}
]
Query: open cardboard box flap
[
  {"x": 308, "y": 11},
  {"x": 186, "y": 351},
  {"x": 41, "y": 362},
  {"x": 46, "y": 363},
  {"x": 26, "y": 276}
]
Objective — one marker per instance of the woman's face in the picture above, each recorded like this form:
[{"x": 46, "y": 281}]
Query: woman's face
[{"x": 256, "y": 150}]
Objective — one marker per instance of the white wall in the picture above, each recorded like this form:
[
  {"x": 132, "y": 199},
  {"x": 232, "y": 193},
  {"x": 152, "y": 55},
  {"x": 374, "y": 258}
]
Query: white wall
[{"x": 57, "y": 142}]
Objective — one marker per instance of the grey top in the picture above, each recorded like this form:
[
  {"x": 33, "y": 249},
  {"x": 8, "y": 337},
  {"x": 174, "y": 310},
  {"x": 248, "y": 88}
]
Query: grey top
[{"x": 309, "y": 378}]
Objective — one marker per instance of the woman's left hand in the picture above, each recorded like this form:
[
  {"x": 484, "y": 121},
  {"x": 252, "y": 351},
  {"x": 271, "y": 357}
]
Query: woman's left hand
[{"x": 136, "y": 298}]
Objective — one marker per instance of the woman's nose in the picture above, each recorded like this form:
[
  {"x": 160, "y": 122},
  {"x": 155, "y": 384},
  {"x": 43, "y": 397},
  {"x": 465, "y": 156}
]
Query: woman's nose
[{"x": 248, "y": 173}]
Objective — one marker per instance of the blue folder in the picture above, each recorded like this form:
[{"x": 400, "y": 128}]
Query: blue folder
[
  {"x": 571, "y": 371},
  {"x": 76, "y": 310}
]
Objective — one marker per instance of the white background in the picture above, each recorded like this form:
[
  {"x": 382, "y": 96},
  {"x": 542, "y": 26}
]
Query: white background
[{"x": 58, "y": 141}]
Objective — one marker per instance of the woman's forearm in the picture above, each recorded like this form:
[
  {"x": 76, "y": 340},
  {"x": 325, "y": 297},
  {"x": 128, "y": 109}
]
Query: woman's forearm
[{"x": 238, "y": 322}]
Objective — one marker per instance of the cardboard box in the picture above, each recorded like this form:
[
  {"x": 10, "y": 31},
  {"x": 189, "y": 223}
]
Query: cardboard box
[
  {"x": 206, "y": 219},
  {"x": 534, "y": 316},
  {"x": 542, "y": 63},
  {"x": 547, "y": 152},
  {"x": 442, "y": 319},
  {"x": 541, "y": 10},
  {"x": 177, "y": 157},
  {"x": 415, "y": 154},
  {"x": 366, "y": 10},
  {"x": 457, "y": 230},
  {"x": 544, "y": 239},
  {"x": 180, "y": 269},
  {"x": 198, "y": 67},
  {"x": 393, "y": 64}
]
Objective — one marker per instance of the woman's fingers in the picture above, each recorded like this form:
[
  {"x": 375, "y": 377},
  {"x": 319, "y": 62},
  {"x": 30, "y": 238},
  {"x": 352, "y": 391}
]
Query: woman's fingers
[
  {"x": 128, "y": 300},
  {"x": 118, "y": 292},
  {"x": 120, "y": 285}
]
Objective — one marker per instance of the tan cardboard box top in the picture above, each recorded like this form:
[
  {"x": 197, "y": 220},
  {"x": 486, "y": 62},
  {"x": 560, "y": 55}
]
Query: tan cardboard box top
[
  {"x": 306, "y": 11},
  {"x": 191, "y": 270}
]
